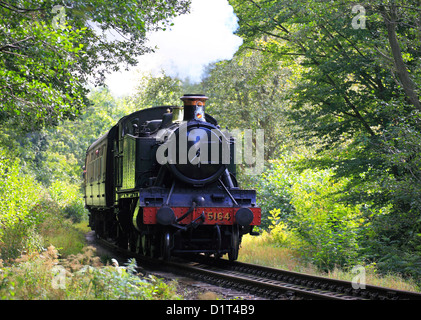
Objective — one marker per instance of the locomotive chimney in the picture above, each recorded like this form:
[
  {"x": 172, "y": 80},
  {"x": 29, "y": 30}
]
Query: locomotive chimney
[{"x": 194, "y": 106}]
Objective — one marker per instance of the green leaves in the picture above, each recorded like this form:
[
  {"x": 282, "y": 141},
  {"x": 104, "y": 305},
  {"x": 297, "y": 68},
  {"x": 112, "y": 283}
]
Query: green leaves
[
  {"x": 20, "y": 193},
  {"x": 356, "y": 99},
  {"x": 251, "y": 92},
  {"x": 309, "y": 206},
  {"x": 328, "y": 227},
  {"x": 49, "y": 53},
  {"x": 37, "y": 76}
]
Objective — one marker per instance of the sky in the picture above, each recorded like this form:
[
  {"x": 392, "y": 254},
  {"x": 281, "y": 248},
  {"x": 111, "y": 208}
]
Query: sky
[{"x": 186, "y": 48}]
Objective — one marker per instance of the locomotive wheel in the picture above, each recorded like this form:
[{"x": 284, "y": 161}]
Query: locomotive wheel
[
  {"x": 235, "y": 243},
  {"x": 217, "y": 239},
  {"x": 135, "y": 243},
  {"x": 166, "y": 246},
  {"x": 122, "y": 240},
  {"x": 147, "y": 245}
]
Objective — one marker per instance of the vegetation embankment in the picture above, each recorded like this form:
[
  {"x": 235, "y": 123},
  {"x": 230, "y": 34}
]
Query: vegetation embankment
[
  {"x": 50, "y": 55},
  {"x": 351, "y": 84},
  {"x": 43, "y": 251},
  {"x": 309, "y": 228},
  {"x": 266, "y": 251}
]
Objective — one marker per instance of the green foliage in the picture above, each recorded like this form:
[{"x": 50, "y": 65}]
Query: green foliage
[
  {"x": 280, "y": 234},
  {"x": 122, "y": 283},
  {"x": 50, "y": 52},
  {"x": 251, "y": 92},
  {"x": 159, "y": 90},
  {"x": 57, "y": 228},
  {"x": 38, "y": 71},
  {"x": 69, "y": 200},
  {"x": 356, "y": 93},
  {"x": 82, "y": 277},
  {"x": 19, "y": 194},
  {"x": 328, "y": 227},
  {"x": 305, "y": 211},
  {"x": 273, "y": 189},
  {"x": 32, "y": 217}
]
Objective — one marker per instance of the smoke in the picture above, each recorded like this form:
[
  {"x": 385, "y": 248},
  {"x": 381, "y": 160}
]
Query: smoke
[
  {"x": 197, "y": 39},
  {"x": 184, "y": 50}
]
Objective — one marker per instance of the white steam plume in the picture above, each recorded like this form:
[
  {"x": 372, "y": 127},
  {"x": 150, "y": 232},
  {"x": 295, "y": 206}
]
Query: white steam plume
[
  {"x": 197, "y": 39},
  {"x": 185, "y": 49}
]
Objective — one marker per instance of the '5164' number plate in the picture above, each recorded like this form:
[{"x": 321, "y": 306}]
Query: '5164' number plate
[
  {"x": 213, "y": 215},
  {"x": 218, "y": 216}
]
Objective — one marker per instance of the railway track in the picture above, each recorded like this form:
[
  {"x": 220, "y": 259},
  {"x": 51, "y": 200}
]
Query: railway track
[
  {"x": 266, "y": 282},
  {"x": 250, "y": 281},
  {"x": 276, "y": 283},
  {"x": 273, "y": 283}
]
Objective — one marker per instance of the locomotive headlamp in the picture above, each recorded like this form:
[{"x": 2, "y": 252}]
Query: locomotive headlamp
[{"x": 200, "y": 112}]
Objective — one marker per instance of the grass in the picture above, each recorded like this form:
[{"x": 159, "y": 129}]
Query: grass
[
  {"x": 259, "y": 250},
  {"x": 70, "y": 270},
  {"x": 42, "y": 276},
  {"x": 262, "y": 251},
  {"x": 67, "y": 237}
]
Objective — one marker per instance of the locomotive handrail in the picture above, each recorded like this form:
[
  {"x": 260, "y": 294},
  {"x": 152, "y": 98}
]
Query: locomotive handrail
[
  {"x": 227, "y": 191},
  {"x": 170, "y": 193}
]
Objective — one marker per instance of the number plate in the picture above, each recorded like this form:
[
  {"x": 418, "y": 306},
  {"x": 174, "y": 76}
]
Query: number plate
[
  {"x": 218, "y": 216},
  {"x": 213, "y": 215}
]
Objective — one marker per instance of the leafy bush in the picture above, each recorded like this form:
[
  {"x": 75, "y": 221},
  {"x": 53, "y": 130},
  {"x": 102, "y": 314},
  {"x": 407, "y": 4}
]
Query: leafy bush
[
  {"x": 273, "y": 189},
  {"x": 19, "y": 193},
  {"x": 280, "y": 234},
  {"x": 80, "y": 277},
  {"x": 58, "y": 231},
  {"x": 328, "y": 227},
  {"x": 305, "y": 211},
  {"x": 31, "y": 216},
  {"x": 69, "y": 199}
]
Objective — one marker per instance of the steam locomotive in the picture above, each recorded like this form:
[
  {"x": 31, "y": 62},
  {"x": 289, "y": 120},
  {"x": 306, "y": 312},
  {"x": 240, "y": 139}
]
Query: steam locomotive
[{"x": 162, "y": 182}]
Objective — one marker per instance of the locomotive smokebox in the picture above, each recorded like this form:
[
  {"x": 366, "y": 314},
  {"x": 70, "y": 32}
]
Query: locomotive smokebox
[{"x": 194, "y": 106}]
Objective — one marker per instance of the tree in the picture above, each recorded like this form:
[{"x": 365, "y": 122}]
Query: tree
[
  {"x": 49, "y": 52},
  {"x": 161, "y": 90},
  {"x": 345, "y": 74},
  {"x": 395, "y": 16},
  {"x": 357, "y": 93},
  {"x": 251, "y": 92}
]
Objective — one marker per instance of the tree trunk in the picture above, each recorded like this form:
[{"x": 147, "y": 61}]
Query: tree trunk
[{"x": 401, "y": 70}]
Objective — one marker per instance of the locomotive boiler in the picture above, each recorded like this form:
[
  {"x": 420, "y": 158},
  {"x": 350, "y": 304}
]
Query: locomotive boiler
[{"x": 162, "y": 182}]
